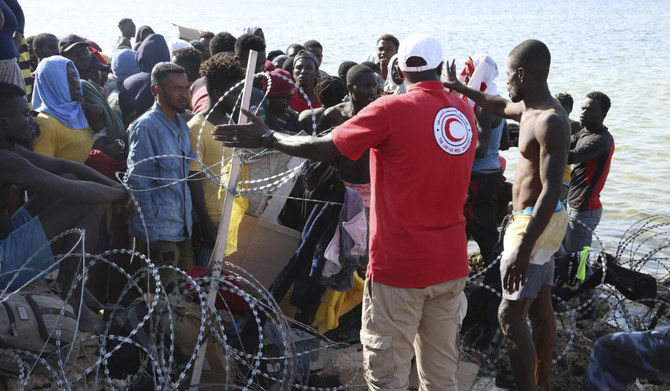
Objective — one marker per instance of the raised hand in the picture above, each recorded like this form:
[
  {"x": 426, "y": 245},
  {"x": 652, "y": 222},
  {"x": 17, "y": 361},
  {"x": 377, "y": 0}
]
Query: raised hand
[{"x": 451, "y": 81}]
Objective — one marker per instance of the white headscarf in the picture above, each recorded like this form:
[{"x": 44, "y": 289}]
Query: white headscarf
[{"x": 483, "y": 72}]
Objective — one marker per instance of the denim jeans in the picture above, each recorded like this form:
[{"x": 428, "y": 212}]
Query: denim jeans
[
  {"x": 578, "y": 235},
  {"x": 580, "y": 229},
  {"x": 618, "y": 359}
]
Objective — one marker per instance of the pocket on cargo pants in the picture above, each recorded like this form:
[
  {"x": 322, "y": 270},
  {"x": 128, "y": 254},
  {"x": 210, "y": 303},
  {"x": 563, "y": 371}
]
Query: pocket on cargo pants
[{"x": 378, "y": 356}]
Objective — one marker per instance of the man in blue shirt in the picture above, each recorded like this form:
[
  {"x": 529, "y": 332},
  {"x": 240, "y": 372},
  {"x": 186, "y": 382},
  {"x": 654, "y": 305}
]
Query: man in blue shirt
[{"x": 158, "y": 162}]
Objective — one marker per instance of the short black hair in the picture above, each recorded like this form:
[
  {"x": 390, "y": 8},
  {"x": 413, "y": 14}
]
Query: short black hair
[
  {"x": 222, "y": 42},
  {"x": 274, "y": 54},
  {"x": 565, "y": 100},
  {"x": 221, "y": 71},
  {"x": 604, "y": 100},
  {"x": 375, "y": 68},
  {"x": 330, "y": 90},
  {"x": 188, "y": 54},
  {"x": 390, "y": 37},
  {"x": 125, "y": 21},
  {"x": 206, "y": 35},
  {"x": 163, "y": 70},
  {"x": 248, "y": 42},
  {"x": 9, "y": 91},
  {"x": 39, "y": 40},
  {"x": 199, "y": 46},
  {"x": 312, "y": 43},
  {"x": 344, "y": 68},
  {"x": 356, "y": 72},
  {"x": 295, "y": 48},
  {"x": 533, "y": 55}
]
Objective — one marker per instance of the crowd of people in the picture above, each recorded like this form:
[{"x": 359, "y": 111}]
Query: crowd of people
[{"x": 416, "y": 146}]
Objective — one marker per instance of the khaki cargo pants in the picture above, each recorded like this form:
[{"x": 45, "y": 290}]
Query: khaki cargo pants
[{"x": 399, "y": 323}]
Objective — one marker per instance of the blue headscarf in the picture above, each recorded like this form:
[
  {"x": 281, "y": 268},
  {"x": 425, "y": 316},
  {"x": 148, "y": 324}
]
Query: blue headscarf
[
  {"x": 124, "y": 64},
  {"x": 51, "y": 93}
]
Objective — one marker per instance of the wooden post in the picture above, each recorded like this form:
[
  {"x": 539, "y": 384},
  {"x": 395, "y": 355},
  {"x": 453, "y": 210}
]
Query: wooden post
[{"x": 222, "y": 234}]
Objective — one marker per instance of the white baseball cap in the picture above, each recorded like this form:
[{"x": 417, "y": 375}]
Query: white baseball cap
[{"x": 420, "y": 45}]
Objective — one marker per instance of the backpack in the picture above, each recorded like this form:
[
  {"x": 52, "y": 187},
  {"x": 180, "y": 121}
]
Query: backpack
[{"x": 31, "y": 321}]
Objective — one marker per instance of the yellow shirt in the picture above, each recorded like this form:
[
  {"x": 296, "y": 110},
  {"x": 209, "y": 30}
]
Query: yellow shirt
[
  {"x": 209, "y": 152},
  {"x": 59, "y": 141},
  {"x": 568, "y": 173},
  {"x": 568, "y": 168}
]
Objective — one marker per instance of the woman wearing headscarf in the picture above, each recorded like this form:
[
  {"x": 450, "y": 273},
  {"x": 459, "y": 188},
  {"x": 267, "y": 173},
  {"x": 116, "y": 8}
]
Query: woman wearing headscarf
[
  {"x": 58, "y": 98},
  {"x": 479, "y": 73}
]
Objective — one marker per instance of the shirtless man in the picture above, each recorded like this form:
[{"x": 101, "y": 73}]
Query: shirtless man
[
  {"x": 539, "y": 219},
  {"x": 362, "y": 87},
  {"x": 330, "y": 91},
  {"x": 66, "y": 195}
]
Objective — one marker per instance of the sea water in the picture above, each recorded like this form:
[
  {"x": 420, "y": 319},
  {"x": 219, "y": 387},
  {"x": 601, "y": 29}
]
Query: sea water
[{"x": 620, "y": 48}]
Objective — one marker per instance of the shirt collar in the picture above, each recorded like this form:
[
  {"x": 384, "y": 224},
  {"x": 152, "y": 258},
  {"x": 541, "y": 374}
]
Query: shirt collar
[
  {"x": 179, "y": 127},
  {"x": 427, "y": 85}
]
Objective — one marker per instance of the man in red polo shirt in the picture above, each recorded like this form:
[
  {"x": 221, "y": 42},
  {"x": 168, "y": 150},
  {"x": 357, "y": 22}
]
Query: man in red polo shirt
[{"x": 422, "y": 146}]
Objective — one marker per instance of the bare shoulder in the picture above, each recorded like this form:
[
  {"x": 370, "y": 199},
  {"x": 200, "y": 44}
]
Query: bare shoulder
[
  {"x": 552, "y": 124},
  {"x": 337, "y": 112},
  {"x": 306, "y": 115},
  {"x": 329, "y": 112}
]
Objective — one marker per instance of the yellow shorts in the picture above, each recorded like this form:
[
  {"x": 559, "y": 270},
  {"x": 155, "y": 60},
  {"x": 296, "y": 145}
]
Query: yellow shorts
[{"x": 541, "y": 268}]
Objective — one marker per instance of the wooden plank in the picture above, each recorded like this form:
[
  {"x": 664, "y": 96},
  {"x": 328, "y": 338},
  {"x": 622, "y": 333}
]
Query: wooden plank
[{"x": 222, "y": 235}]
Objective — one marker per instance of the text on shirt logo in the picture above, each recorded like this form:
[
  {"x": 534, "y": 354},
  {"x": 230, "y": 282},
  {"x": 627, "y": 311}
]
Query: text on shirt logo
[{"x": 452, "y": 131}]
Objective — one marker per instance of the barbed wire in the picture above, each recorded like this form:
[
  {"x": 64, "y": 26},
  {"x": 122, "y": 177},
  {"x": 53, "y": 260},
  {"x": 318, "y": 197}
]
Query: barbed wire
[{"x": 168, "y": 312}]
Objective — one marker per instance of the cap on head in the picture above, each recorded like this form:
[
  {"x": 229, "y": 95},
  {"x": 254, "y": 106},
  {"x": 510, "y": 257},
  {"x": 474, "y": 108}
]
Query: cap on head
[
  {"x": 95, "y": 64},
  {"x": 280, "y": 86},
  {"x": 305, "y": 54},
  {"x": 422, "y": 46},
  {"x": 70, "y": 41}
]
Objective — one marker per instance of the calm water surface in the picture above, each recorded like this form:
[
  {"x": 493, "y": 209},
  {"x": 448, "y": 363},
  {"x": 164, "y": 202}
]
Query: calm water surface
[{"x": 620, "y": 48}]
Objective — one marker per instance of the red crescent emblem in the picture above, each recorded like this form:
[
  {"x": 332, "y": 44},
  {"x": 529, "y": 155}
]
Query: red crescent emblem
[
  {"x": 452, "y": 131},
  {"x": 447, "y": 128}
]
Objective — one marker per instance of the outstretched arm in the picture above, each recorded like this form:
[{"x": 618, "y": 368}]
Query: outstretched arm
[
  {"x": 493, "y": 103},
  {"x": 62, "y": 166},
  {"x": 26, "y": 176},
  {"x": 249, "y": 136}
]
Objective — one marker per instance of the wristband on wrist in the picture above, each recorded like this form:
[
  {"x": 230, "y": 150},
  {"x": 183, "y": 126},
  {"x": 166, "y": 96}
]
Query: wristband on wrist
[{"x": 267, "y": 140}]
